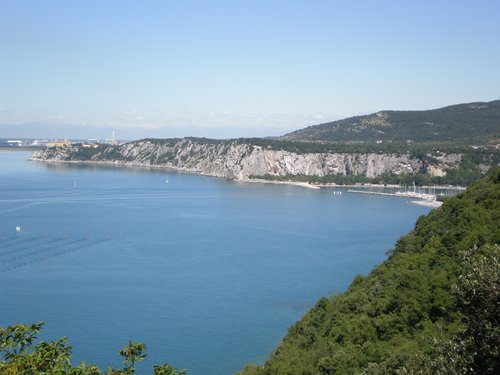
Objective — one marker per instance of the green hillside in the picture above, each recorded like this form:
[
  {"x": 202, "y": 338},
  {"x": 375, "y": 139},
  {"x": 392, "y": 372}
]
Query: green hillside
[
  {"x": 464, "y": 123},
  {"x": 431, "y": 308}
]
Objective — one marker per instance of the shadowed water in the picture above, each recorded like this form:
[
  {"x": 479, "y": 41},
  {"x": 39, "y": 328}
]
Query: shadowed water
[{"x": 208, "y": 273}]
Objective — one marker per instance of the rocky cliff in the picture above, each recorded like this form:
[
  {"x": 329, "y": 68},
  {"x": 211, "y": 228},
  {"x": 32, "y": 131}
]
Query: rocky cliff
[{"x": 241, "y": 161}]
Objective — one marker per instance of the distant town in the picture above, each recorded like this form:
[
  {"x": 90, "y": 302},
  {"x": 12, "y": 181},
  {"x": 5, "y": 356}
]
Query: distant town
[{"x": 37, "y": 143}]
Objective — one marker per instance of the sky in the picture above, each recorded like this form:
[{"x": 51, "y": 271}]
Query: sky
[{"x": 224, "y": 69}]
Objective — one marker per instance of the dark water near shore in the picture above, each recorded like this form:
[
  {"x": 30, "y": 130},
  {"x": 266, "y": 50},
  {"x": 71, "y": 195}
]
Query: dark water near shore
[{"x": 208, "y": 273}]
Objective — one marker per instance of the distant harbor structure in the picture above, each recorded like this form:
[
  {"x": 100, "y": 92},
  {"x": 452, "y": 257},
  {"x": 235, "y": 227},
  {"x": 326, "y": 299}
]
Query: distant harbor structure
[
  {"x": 429, "y": 200},
  {"x": 426, "y": 195}
]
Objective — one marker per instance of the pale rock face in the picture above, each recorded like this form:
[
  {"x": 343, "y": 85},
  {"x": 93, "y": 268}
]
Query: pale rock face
[
  {"x": 436, "y": 171},
  {"x": 242, "y": 161},
  {"x": 448, "y": 161}
]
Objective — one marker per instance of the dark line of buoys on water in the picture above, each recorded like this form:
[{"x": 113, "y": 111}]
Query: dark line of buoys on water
[
  {"x": 13, "y": 249},
  {"x": 23, "y": 241},
  {"x": 48, "y": 248},
  {"x": 50, "y": 254}
]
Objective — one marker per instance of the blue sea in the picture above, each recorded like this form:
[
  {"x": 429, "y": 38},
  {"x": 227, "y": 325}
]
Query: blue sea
[{"x": 208, "y": 273}]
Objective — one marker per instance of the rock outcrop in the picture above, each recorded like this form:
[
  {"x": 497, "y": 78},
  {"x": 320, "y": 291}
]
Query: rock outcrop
[{"x": 241, "y": 161}]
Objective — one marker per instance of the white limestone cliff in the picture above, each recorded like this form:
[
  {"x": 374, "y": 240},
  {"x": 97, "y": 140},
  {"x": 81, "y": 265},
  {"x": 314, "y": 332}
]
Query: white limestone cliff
[{"x": 241, "y": 161}]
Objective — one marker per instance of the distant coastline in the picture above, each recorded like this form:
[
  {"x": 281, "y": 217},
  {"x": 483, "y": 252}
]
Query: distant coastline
[{"x": 121, "y": 164}]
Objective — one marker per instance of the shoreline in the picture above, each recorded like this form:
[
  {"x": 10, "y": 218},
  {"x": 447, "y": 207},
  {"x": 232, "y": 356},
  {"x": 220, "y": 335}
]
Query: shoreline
[
  {"x": 306, "y": 185},
  {"x": 250, "y": 180}
]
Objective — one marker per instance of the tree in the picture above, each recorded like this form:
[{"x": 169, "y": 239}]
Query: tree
[
  {"x": 20, "y": 355},
  {"x": 166, "y": 369},
  {"x": 477, "y": 296},
  {"x": 132, "y": 353},
  {"x": 17, "y": 338}
]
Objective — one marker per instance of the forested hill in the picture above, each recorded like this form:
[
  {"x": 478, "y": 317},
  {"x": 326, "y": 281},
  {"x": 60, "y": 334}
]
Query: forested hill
[
  {"x": 464, "y": 123},
  {"x": 430, "y": 308}
]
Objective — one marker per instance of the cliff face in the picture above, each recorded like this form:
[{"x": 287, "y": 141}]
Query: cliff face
[{"x": 240, "y": 161}]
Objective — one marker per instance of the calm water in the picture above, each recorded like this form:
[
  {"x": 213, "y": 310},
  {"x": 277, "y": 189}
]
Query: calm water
[{"x": 208, "y": 273}]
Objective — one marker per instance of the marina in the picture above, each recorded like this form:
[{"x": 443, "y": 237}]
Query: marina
[
  {"x": 395, "y": 194},
  {"x": 425, "y": 199}
]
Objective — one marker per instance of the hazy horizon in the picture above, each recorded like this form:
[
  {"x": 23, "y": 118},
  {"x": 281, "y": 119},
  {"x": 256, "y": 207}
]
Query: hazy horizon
[{"x": 223, "y": 69}]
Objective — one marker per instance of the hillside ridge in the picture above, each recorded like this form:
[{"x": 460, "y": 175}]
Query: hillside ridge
[{"x": 469, "y": 123}]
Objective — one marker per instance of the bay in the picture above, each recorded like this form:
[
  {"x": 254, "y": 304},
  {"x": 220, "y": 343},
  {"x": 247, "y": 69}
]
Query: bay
[{"x": 208, "y": 273}]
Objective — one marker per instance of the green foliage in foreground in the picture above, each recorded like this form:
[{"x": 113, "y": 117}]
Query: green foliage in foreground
[
  {"x": 20, "y": 355},
  {"x": 431, "y": 308}
]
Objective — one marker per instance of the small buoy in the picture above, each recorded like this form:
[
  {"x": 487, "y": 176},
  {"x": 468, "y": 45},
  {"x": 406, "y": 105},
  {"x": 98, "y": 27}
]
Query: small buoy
[{"x": 18, "y": 228}]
